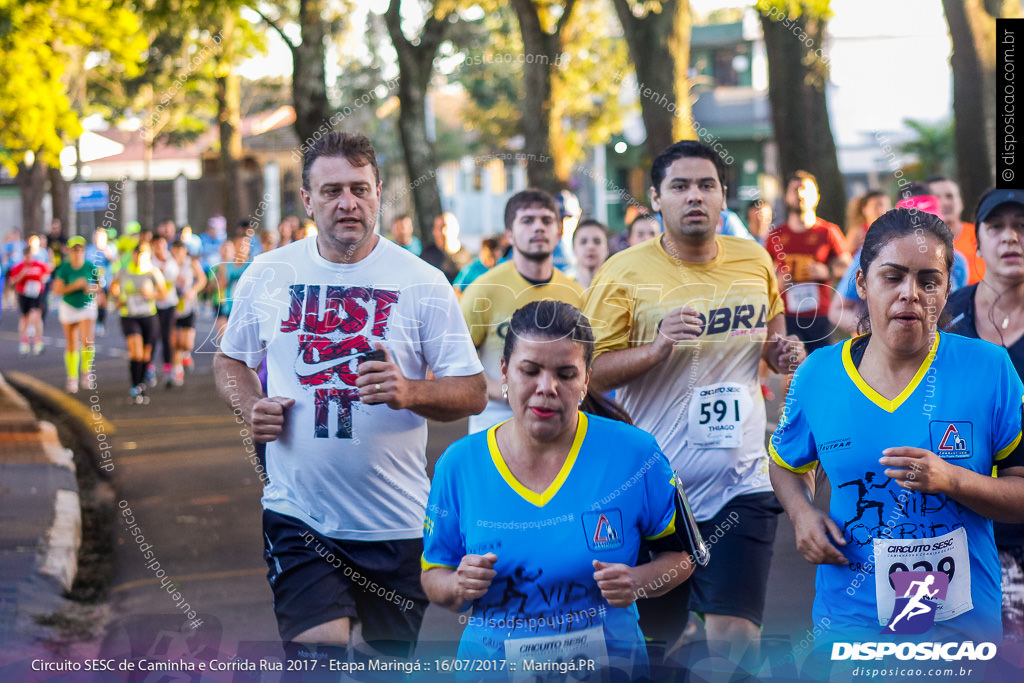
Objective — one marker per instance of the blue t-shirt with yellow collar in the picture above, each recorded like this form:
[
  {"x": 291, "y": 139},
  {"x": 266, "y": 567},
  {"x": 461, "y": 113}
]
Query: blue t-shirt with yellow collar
[
  {"x": 614, "y": 489},
  {"x": 963, "y": 404}
]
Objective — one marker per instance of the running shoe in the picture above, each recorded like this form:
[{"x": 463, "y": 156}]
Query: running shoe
[
  {"x": 138, "y": 395},
  {"x": 151, "y": 375},
  {"x": 72, "y": 385},
  {"x": 186, "y": 361},
  {"x": 178, "y": 376},
  {"x": 24, "y": 348},
  {"x": 37, "y": 348}
]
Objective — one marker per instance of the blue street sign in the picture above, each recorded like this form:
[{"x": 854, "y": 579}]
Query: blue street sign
[{"x": 90, "y": 196}]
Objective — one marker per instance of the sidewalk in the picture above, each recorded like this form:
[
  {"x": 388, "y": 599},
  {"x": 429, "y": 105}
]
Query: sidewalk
[{"x": 40, "y": 524}]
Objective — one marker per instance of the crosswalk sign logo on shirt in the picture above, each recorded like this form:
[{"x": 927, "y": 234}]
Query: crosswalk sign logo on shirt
[
  {"x": 603, "y": 529},
  {"x": 951, "y": 440}
]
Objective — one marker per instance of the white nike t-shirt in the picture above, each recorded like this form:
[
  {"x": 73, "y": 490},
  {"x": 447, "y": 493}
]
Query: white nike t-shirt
[{"x": 348, "y": 470}]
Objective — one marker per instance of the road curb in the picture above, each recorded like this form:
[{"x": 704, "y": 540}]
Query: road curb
[
  {"x": 42, "y": 521},
  {"x": 85, "y": 423}
]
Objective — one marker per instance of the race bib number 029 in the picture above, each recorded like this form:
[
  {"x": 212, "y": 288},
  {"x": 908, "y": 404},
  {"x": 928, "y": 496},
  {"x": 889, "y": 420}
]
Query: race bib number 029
[
  {"x": 947, "y": 554},
  {"x": 717, "y": 414}
]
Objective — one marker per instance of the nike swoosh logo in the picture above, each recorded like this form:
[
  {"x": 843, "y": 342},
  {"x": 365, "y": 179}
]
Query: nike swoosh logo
[{"x": 304, "y": 369}]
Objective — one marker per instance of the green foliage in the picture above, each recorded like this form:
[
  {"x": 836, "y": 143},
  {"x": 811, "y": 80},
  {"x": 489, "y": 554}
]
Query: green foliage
[
  {"x": 934, "y": 147},
  {"x": 41, "y": 41},
  {"x": 486, "y": 61},
  {"x": 812, "y": 9},
  {"x": 585, "y": 91}
]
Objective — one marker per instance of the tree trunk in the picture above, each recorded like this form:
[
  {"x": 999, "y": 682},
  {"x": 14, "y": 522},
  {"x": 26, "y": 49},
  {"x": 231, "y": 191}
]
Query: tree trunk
[
  {"x": 31, "y": 188},
  {"x": 415, "y": 64},
  {"x": 148, "y": 213},
  {"x": 972, "y": 28},
  {"x": 59, "y": 195},
  {"x": 229, "y": 121},
  {"x": 309, "y": 84},
  {"x": 544, "y": 48},
  {"x": 796, "y": 90},
  {"x": 663, "y": 83}
]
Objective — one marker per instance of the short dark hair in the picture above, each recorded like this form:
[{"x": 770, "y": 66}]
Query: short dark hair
[
  {"x": 914, "y": 189},
  {"x": 355, "y": 147},
  {"x": 685, "y": 149},
  {"x": 178, "y": 244},
  {"x": 527, "y": 198},
  {"x": 938, "y": 179},
  {"x": 590, "y": 223},
  {"x": 642, "y": 217}
]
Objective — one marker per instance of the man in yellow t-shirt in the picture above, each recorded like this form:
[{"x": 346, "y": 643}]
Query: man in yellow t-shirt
[
  {"x": 680, "y": 324},
  {"x": 533, "y": 228}
]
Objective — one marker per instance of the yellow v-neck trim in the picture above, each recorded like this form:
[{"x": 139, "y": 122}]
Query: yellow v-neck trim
[
  {"x": 538, "y": 499},
  {"x": 882, "y": 402}
]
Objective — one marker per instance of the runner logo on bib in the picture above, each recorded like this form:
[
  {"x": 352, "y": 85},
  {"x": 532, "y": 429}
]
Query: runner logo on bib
[
  {"x": 918, "y": 596},
  {"x": 917, "y": 558},
  {"x": 717, "y": 414}
]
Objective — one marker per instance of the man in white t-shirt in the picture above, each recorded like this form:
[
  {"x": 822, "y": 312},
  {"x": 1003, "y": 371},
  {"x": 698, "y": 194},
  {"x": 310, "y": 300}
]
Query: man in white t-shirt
[{"x": 344, "y": 507}]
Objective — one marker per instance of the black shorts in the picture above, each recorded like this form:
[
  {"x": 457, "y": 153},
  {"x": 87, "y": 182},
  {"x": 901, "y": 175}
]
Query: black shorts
[
  {"x": 148, "y": 327},
  {"x": 316, "y": 579},
  {"x": 186, "y": 321},
  {"x": 741, "y": 537},
  {"x": 814, "y": 331},
  {"x": 27, "y": 304}
]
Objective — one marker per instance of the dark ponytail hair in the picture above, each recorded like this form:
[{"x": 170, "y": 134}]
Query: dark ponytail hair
[
  {"x": 551, "y": 320},
  {"x": 898, "y": 223}
]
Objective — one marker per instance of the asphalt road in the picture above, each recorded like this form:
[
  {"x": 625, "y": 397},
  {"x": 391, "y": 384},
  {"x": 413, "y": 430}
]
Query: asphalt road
[{"x": 182, "y": 471}]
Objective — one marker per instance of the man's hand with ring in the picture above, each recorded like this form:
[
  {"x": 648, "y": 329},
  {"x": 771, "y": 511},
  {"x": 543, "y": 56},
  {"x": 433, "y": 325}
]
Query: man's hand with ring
[{"x": 383, "y": 382}]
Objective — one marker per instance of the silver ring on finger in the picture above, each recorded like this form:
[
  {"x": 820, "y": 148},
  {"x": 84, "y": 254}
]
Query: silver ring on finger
[{"x": 376, "y": 387}]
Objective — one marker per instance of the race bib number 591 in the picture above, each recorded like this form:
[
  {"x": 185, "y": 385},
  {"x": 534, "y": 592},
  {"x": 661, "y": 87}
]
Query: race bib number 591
[{"x": 717, "y": 414}]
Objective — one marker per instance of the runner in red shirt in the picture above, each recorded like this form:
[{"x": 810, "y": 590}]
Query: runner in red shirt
[
  {"x": 809, "y": 253},
  {"x": 29, "y": 280}
]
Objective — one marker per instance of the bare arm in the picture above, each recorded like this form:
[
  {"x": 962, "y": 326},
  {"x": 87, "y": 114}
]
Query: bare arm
[
  {"x": 199, "y": 279},
  {"x": 443, "y": 399},
  {"x": 615, "y": 368},
  {"x": 917, "y": 469},
  {"x": 782, "y": 352},
  {"x": 453, "y": 588},
  {"x": 813, "y": 527},
  {"x": 240, "y": 387},
  {"x": 622, "y": 585}
]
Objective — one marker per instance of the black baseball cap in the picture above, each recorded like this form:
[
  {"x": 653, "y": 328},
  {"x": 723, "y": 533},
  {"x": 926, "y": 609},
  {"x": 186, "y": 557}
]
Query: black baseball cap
[{"x": 994, "y": 200}]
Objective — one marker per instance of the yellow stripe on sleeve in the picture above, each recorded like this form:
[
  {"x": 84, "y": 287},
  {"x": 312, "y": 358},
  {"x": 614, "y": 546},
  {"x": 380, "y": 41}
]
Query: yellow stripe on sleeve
[
  {"x": 670, "y": 529},
  {"x": 782, "y": 463},
  {"x": 427, "y": 566},
  {"x": 1006, "y": 450}
]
